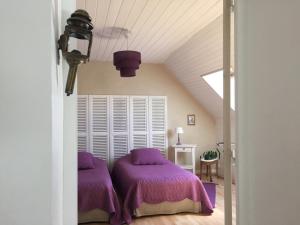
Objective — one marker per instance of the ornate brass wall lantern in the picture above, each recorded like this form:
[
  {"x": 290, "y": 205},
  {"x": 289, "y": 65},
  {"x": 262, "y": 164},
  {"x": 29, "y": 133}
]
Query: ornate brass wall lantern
[{"x": 78, "y": 26}]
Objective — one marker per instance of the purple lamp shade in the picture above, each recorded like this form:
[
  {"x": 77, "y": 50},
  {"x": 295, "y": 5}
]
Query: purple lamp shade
[{"x": 127, "y": 62}]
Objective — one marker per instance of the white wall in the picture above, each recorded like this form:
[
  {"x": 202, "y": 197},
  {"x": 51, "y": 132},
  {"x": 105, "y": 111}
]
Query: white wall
[
  {"x": 151, "y": 79},
  {"x": 69, "y": 134},
  {"x": 57, "y": 121},
  {"x": 268, "y": 53},
  {"x": 28, "y": 71},
  {"x": 33, "y": 187}
]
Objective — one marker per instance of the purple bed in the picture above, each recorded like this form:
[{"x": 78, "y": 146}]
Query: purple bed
[
  {"x": 155, "y": 184},
  {"x": 95, "y": 189}
]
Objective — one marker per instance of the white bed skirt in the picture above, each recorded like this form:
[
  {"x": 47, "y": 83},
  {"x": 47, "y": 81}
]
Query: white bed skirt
[
  {"x": 146, "y": 209},
  {"x": 95, "y": 215},
  {"x": 185, "y": 205}
]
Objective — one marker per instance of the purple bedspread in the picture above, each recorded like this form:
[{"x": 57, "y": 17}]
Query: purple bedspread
[
  {"x": 95, "y": 191},
  {"x": 155, "y": 184}
]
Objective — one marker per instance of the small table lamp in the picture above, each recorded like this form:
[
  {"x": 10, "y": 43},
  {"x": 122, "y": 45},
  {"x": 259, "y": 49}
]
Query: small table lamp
[{"x": 178, "y": 131}]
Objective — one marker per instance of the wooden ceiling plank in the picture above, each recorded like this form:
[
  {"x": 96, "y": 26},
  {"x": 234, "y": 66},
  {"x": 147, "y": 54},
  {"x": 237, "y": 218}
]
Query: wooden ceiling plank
[
  {"x": 80, "y": 4},
  {"x": 103, "y": 11},
  {"x": 190, "y": 28},
  {"x": 164, "y": 17},
  {"x": 191, "y": 52},
  {"x": 121, "y": 22},
  {"x": 112, "y": 15},
  {"x": 168, "y": 23},
  {"x": 115, "y": 24},
  {"x": 91, "y": 7},
  {"x": 165, "y": 10},
  {"x": 137, "y": 11},
  {"x": 132, "y": 21},
  {"x": 151, "y": 8},
  {"x": 183, "y": 25},
  {"x": 174, "y": 43},
  {"x": 158, "y": 27}
]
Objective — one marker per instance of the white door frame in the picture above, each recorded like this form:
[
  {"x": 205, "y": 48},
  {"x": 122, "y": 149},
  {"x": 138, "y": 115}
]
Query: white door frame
[{"x": 226, "y": 112}]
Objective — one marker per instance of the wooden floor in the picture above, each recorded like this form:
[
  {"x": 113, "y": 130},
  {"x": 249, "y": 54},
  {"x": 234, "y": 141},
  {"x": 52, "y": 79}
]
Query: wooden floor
[{"x": 217, "y": 218}]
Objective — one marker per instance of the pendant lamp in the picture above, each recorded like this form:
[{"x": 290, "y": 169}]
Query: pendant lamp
[{"x": 126, "y": 61}]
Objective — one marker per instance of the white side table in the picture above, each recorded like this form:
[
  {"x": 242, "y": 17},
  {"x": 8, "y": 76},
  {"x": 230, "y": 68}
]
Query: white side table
[{"x": 189, "y": 149}]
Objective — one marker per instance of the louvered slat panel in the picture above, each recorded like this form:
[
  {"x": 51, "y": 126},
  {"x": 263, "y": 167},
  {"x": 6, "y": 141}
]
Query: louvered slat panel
[
  {"x": 139, "y": 140},
  {"x": 159, "y": 141},
  {"x": 119, "y": 123},
  {"x": 139, "y": 121},
  {"x": 82, "y": 114},
  {"x": 139, "y": 113},
  {"x": 158, "y": 114},
  {"x": 120, "y": 146},
  {"x": 99, "y": 114},
  {"x": 120, "y": 114},
  {"x": 99, "y": 126},
  {"x": 82, "y": 143},
  {"x": 100, "y": 146},
  {"x": 111, "y": 125},
  {"x": 82, "y": 124},
  {"x": 158, "y": 123}
]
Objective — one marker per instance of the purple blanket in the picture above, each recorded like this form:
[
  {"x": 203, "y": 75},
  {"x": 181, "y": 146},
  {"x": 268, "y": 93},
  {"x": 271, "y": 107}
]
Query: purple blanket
[
  {"x": 155, "y": 184},
  {"x": 95, "y": 191}
]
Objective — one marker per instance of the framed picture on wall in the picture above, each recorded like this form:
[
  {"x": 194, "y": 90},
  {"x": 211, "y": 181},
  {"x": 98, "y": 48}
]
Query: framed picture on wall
[{"x": 191, "y": 120}]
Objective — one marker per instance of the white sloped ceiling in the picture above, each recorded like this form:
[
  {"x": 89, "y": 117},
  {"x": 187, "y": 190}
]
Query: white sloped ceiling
[
  {"x": 202, "y": 54},
  {"x": 157, "y": 27}
]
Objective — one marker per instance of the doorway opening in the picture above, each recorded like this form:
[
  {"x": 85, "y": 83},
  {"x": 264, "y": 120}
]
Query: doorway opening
[{"x": 180, "y": 42}]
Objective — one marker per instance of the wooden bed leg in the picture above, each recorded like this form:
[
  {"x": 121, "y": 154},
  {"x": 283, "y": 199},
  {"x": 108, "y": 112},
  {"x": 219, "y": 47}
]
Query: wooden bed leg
[
  {"x": 210, "y": 173},
  {"x": 207, "y": 171},
  {"x": 200, "y": 170}
]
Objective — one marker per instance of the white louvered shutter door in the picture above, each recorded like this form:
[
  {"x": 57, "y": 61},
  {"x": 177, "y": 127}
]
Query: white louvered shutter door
[
  {"x": 158, "y": 122},
  {"x": 82, "y": 125},
  {"x": 99, "y": 126},
  {"x": 139, "y": 132},
  {"x": 119, "y": 126}
]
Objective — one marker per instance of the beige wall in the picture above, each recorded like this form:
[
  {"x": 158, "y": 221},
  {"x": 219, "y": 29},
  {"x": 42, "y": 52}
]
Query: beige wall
[{"x": 100, "y": 78}]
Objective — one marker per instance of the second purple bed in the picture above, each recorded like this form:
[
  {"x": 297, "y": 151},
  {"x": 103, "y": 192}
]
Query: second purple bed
[
  {"x": 154, "y": 184},
  {"x": 97, "y": 198}
]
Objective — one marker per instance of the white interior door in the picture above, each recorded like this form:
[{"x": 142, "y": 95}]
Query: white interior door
[{"x": 227, "y": 8}]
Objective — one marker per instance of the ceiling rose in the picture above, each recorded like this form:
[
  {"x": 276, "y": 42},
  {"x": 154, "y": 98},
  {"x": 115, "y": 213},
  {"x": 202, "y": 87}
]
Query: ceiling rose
[{"x": 112, "y": 32}]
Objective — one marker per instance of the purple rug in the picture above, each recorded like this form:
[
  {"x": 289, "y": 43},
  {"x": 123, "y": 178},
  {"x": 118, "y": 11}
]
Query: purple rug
[{"x": 211, "y": 192}]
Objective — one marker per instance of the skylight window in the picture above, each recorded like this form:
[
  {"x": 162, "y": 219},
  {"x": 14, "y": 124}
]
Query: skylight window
[{"x": 215, "y": 81}]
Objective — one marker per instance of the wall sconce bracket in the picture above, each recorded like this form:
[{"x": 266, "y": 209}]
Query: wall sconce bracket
[{"x": 78, "y": 26}]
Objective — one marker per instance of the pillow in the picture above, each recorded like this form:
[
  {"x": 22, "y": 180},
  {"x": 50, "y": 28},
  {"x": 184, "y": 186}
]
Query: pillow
[
  {"x": 147, "y": 156},
  {"x": 85, "y": 161}
]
